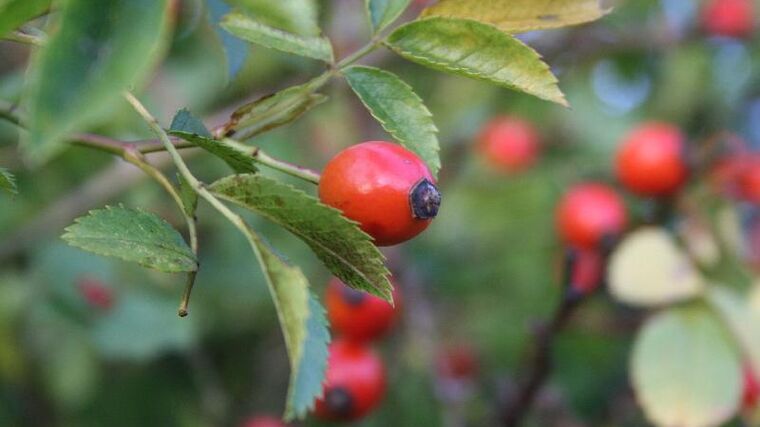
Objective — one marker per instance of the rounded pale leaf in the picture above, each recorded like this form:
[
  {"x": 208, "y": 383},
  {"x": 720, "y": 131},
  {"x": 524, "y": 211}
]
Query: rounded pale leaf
[
  {"x": 741, "y": 319},
  {"x": 648, "y": 268},
  {"x": 700, "y": 241},
  {"x": 685, "y": 369}
]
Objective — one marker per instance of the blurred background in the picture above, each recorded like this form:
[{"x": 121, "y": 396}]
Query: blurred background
[{"x": 90, "y": 341}]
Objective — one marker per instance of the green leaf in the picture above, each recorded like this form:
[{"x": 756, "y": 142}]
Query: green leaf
[
  {"x": 247, "y": 29},
  {"x": 184, "y": 121},
  {"x": 93, "y": 54},
  {"x": 515, "y": 16},
  {"x": 741, "y": 319},
  {"x": 14, "y": 13},
  {"x": 295, "y": 16},
  {"x": 383, "y": 12},
  {"x": 685, "y": 370},
  {"x": 132, "y": 235},
  {"x": 237, "y": 160},
  {"x": 8, "y": 182},
  {"x": 303, "y": 324},
  {"x": 188, "y": 195},
  {"x": 649, "y": 269},
  {"x": 476, "y": 50},
  {"x": 398, "y": 109},
  {"x": 274, "y": 110},
  {"x": 341, "y": 245}
]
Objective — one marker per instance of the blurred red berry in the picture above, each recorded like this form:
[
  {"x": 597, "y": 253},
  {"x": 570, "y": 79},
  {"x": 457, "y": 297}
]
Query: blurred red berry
[
  {"x": 354, "y": 382},
  {"x": 263, "y": 421},
  {"x": 509, "y": 144},
  {"x": 458, "y": 362},
  {"x": 96, "y": 293},
  {"x": 725, "y": 175},
  {"x": 751, "y": 390},
  {"x": 587, "y": 271},
  {"x": 588, "y": 213},
  {"x": 738, "y": 176},
  {"x": 651, "y": 161},
  {"x": 359, "y": 316},
  {"x": 729, "y": 18},
  {"x": 749, "y": 180}
]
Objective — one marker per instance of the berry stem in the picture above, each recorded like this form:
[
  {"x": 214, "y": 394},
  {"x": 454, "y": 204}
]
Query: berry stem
[{"x": 263, "y": 158}]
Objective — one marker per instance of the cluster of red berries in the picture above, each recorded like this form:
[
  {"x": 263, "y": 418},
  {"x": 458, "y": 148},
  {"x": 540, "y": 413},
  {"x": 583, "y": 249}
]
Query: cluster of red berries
[
  {"x": 729, "y": 18},
  {"x": 355, "y": 379},
  {"x": 651, "y": 162}
]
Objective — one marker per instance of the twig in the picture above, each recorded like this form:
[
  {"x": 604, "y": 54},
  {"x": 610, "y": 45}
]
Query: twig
[{"x": 540, "y": 366}]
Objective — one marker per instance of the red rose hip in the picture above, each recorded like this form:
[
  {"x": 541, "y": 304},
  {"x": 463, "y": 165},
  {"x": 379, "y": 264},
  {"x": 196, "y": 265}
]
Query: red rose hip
[
  {"x": 509, "y": 144},
  {"x": 356, "y": 315},
  {"x": 383, "y": 186},
  {"x": 588, "y": 213},
  {"x": 729, "y": 18},
  {"x": 354, "y": 382},
  {"x": 651, "y": 160}
]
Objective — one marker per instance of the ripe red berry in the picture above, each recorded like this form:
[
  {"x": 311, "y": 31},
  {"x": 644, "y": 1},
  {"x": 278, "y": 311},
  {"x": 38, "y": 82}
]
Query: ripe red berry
[
  {"x": 354, "y": 382},
  {"x": 587, "y": 271},
  {"x": 263, "y": 421},
  {"x": 588, "y": 213},
  {"x": 510, "y": 144},
  {"x": 356, "y": 315},
  {"x": 729, "y": 18},
  {"x": 96, "y": 293},
  {"x": 651, "y": 160},
  {"x": 386, "y": 188},
  {"x": 751, "y": 390}
]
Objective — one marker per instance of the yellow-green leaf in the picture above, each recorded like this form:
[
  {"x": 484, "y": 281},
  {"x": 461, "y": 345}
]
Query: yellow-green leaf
[
  {"x": 521, "y": 15},
  {"x": 476, "y": 50},
  {"x": 14, "y": 13}
]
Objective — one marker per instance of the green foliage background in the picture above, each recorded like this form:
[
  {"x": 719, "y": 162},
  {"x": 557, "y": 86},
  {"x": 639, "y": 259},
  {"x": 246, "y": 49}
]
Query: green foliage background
[{"x": 482, "y": 274}]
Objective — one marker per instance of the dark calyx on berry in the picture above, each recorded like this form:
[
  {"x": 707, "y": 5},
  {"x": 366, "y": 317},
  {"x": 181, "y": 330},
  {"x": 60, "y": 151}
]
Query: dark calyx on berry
[
  {"x": 425, "y": 200},
  {"x": 339, "y": 402},
  {"x": 352, "y": 296}
]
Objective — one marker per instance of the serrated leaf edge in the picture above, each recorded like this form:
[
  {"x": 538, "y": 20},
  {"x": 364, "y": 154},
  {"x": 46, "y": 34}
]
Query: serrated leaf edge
[
  {"x": 69, "y": 233},
  {"x": 367, "y": 238},
  {"x": 477, "y": 75}
]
